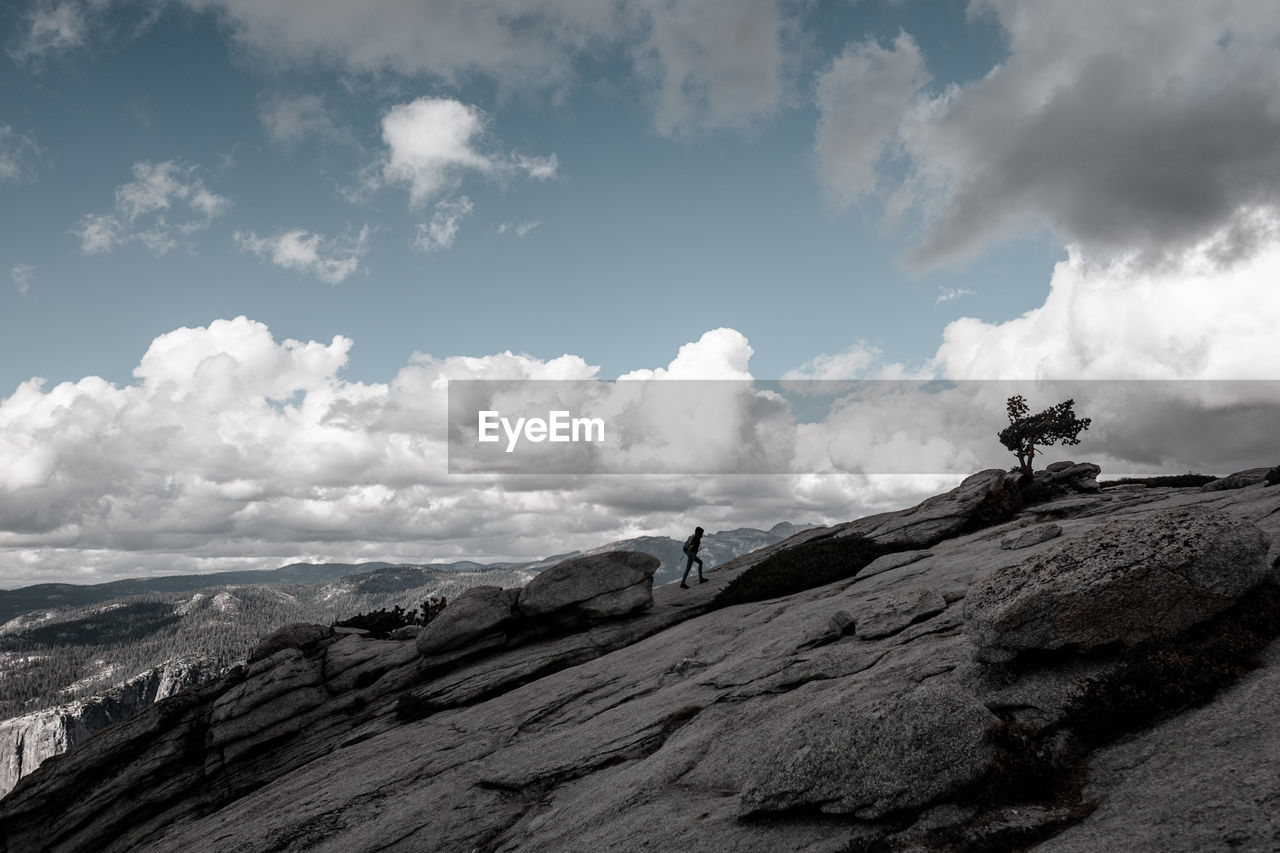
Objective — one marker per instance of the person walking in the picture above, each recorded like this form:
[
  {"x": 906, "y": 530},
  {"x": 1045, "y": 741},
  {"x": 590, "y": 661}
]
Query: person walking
[{"x": 691, "y": 551}]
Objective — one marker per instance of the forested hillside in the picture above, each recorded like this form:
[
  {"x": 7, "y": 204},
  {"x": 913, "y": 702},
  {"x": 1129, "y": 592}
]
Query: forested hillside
[{"x": 54, "y": 656}]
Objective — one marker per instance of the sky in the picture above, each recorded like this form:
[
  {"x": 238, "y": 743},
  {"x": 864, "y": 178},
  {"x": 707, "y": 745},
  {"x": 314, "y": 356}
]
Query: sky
[{"x": 244, "y": 245}]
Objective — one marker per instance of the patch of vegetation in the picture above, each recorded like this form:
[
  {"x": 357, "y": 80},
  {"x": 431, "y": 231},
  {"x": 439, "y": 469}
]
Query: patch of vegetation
[
  {"x": 1176, "y": 481},
  {"x": 1160, "y": 678},
  {"x": 127, "y": 623},
  {"x": 411, "y": 707},
  {"x": 813, "y": 564},
  {"x": 382, "y": 622},
  {"x": 998, "y": 506}
]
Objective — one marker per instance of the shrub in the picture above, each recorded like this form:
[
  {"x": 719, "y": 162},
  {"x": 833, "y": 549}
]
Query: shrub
[
  {"x": 1177, "y": 481},
  {"x": 999, "y": 505},
  {"x": 806, "y": 566},
  {"x": 1161, "y": 677},
  {"x": 382, "y": 622}
]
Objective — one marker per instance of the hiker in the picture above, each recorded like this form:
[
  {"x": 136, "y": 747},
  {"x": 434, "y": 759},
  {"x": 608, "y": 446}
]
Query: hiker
[{"x": 691, "y": 551}]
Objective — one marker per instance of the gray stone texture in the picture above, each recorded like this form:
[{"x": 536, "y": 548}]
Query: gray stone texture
[
  {"x": 681, "y": 727},
  {"x": 1129, "y": 581},
  {"x": 478, "y": 611}
]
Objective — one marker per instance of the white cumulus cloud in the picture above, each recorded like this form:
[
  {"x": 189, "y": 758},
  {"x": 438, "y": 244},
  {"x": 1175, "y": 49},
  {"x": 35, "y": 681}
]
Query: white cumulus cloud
[
  {"x": 432, "y": 143},
  {"x": 1121, "y": 320},
  {"x": 231, "y": 448}
]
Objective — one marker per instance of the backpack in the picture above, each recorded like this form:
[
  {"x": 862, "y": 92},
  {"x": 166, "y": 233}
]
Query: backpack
[{"x": 688, "y": 545}]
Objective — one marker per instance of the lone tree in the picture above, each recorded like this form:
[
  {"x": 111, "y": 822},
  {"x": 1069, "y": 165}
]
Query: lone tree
[{"x": 1056, "y": 424}]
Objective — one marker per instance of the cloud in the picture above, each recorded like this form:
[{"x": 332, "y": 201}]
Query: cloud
[
  {"x": 519, "y": 229},
  {"x": 232, "y": 449},
  {"x": 331, "y": 261},
  {"x": 702, "y": 63},
  {"x": 164, "y": 205},
  {"x": 946, "y": 294},
  {"x": 19, "y": 156},
  {"x": 712, "y": 64},
  {"x": 442, "y": 230},
  {"x": 1122, "y": 320},
  {"x": 861, "y": 99},
  {"x": 1132, "y": 129},
  {"x": 291, "y": 120},
  {"x": 50, "y": 29},
  {"x": 855, "y": 362},
  {"x": 718, "y": 354},
  {"x": 429, "y": 141},
  {"x": 22, "y": 275},
  {"x": 432, "y": 142}
]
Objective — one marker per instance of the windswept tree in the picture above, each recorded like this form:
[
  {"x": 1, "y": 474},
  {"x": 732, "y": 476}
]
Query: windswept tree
[{"x": 1055, "y": 425}]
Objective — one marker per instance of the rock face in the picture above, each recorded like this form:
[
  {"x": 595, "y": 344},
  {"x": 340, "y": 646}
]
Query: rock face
[
  {"x": 870, "y": 760},
  {"x": 1032, "y": 536},
  {"x": 479, "y": 611},
  {"x": 1238, "y": 480},
  {"x": 593, "y": 586},
  {"x": 788, "y": 724},
  {"x": 27, "y": 741},
  {"x": 573, "y": 593},
  {"x": 1129, "y": 582},
  {"x": 936, "y": 518},
  {"x": 890, "y": 616},
  {"x": 293, "y": 636},
  {"x": 1071, "y": 476}
]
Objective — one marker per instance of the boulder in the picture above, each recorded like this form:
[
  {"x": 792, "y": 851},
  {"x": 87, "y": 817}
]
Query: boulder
[
  {"x": 477, "y": 612},
  {"x": 1077, "y": 476},
  {"x": 869, "y": 760},
  {"x": 293, "y": 636},
  {"x": 941, "y": 515},
  {"x": 1273, "y": 476},
  {"x": 1031, "y": 536},
  {"x": 591, "y": 586},
  {"x": 1062, "y": 478},
  {"x": 1129, "y": 581},
  {"x": 1238, "y": 480}
]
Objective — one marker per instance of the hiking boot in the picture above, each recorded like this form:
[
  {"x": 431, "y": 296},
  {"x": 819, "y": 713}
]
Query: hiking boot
[
  {"x": 684, "y": 585},
  {"x": 702, "y": 580}
]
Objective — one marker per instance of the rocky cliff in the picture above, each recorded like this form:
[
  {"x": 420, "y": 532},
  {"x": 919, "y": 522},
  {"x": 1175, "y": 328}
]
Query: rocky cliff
[
  {"x": 1090, "y": 672},
  {"x": 27, "y": 741}
]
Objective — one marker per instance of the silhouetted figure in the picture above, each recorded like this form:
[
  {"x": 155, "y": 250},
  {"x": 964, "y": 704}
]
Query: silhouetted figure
[{"x": 691, "y": 551}]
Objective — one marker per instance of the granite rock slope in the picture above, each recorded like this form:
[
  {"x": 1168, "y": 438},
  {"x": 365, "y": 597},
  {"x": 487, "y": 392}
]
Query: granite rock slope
[{"x": 864, "y": 714}]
